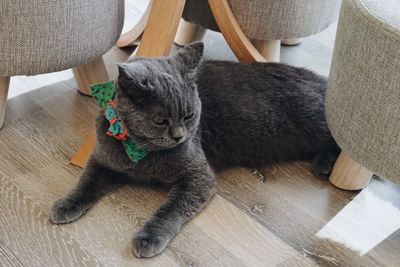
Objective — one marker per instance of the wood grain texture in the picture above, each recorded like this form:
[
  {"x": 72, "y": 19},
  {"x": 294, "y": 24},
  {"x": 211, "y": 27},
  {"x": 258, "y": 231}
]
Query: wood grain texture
[
  {"x": 87, "y": 74},
  {"x": 348, "y": 174},
  {"x": 242, "y": 235},
  {"x": 293, "y": 205},
  {"x": 298, "y": 260},
  {"x": 4, "y": 85},
  {"x": 88, "y": 145},
  {"x": 7, "y": 257},
  {"x": 233, "y": 34},
  {"x": 161, "y": 28},
  {"x": 24, "y": 229}
]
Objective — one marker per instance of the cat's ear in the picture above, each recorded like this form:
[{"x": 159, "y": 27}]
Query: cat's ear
[
  {"x": 132, "y": 76},
  {"x": 122, "y": 74},
  {"x": 189, "y": 56}
]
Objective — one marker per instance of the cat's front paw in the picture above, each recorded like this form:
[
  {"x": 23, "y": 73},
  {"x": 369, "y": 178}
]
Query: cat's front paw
[
  {"x": 146, "y": 244},
  {"x": 65, "y": 210}
]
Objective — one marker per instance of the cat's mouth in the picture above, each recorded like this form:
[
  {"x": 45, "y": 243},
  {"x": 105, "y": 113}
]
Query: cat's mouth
[{"x": 166, "y": 143}]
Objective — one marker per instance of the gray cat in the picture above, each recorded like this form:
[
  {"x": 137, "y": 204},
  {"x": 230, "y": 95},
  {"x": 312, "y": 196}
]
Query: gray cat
[{"x": 195, "y": 118}]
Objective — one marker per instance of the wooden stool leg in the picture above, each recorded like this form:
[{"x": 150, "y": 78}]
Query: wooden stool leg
[
  {"x": 82, "y": 156},
  {"x": 188, "y": 33},
  {"x": 241, "y": 46},
  {"x": 349, "y": 175},
  {"x": 87, "y": 74},
  {"x": 132, "y": 37},
  {"x": 4, "y": 84},
  {"x": 270, "y": 49}
]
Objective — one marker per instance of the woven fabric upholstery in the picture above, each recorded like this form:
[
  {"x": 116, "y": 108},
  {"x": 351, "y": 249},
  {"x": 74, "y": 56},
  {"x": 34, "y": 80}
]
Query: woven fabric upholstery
[
  {"x": 363, "y": 97},
  {"x": 270, "y": 19},
  {"x": 50, "y": 35}
]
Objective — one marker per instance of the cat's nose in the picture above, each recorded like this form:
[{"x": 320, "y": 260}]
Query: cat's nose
[{"x": 177, "y": 133}]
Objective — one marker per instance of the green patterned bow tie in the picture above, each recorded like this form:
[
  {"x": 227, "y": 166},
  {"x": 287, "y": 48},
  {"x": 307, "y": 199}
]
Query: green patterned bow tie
[{"x": 104, "y": 93}]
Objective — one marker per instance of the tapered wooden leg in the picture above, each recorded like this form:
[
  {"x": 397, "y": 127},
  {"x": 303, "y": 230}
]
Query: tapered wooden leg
[
  {"x": 87, "y": 74},
  {"x": 82, "y": 156},
  {"x": 132, "y": 37},
  {"x": 161, "y": 28},
  {"x": 241, "y": 46},
  {"x": 188, "y": 33},
  {"x": 4, "y": 84},
  {"x": 270, "y": 49},
  {"x": 293, "y": 41},
  {"x": 349, "y": 175},
  {"x": 156, "y": 41}
]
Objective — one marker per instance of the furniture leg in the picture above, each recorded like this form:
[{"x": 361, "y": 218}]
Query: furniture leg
[
  {"x": 188, "y": 33},
  {"x": 87, "y": 74},
  {"x": 348, "y": 174},
  {"x": 233, "y": 34},
  {"x": 4, "y": 85},
  {"x": 270, "y": 49},
  {"x": 133, "y": 35}
]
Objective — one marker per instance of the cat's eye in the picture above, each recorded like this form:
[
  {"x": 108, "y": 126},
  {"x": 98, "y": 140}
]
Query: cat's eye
[
  {"x": 189, "y": 116},
  {"x": 159, "y": 121}
]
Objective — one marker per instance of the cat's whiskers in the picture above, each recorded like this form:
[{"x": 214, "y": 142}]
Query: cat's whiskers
[{"x": 143, "y": 144}]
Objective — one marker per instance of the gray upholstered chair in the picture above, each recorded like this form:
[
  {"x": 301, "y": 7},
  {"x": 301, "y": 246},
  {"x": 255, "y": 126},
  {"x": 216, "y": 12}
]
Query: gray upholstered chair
[
  {"x": 46, "y": 36},
  {"x": 265, "y": 22},
  {"x": 363, "y": 97}
]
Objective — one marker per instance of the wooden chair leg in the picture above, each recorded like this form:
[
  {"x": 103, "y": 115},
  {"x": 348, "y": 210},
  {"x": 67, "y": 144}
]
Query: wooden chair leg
[
  {"x": 82, "y": 156},
  {"x": 4, "y": 84},
  {"x": 270, "y": 49},
  {"x": 349, "y": 175},
  {"x": 132, "y": 37},
  {"x": 87, "y": 74},
  {"x": 233, "y": 34},
  {"x": 293, "y": 41},
  {"x": 188, "y": 33},
  {"x": 156, "y": 41}
]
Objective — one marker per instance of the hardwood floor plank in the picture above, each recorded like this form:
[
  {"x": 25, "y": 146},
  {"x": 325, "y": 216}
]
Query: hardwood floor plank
[
  {"x": 298, "y": 260},
  {"x": 103, "y": 229},
  {"x": 33, "y": 142},
  {"x": 18, "y": 154},
  {"x": 117, "y": 216},
  {"x": 193, "y": 246},
  {"x": 292, "y": 216},
  {"x": 241, "y": 235},
  {"x": 7, "y": 257},
  {"x": 26, "y": 231}
]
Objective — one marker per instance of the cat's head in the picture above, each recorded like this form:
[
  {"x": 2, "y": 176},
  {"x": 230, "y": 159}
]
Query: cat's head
[{"x": 157, "y": 99}]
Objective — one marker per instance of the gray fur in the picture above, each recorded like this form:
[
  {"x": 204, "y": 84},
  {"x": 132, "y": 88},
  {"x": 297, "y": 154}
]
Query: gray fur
[{"x": 249, "y": 114}]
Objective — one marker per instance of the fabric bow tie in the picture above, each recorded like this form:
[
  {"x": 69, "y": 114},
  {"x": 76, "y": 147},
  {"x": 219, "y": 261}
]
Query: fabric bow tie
[{"x": 104, "y": 93}]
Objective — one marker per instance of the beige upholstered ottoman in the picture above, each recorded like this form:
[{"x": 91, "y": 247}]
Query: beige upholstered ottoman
[
  {"x": 265, "y": 22},
  {"x": 363, "y": 97}
]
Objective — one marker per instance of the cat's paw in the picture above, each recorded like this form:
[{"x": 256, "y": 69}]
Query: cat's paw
[
  {"x": 146, "y": 244},
  {"x": 65, "y": 210}
]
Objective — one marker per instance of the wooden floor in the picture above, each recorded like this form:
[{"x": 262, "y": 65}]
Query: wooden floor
[{"x": 291, "y": 219}]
